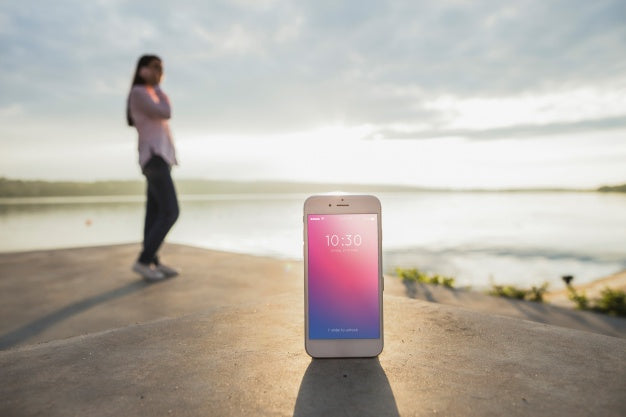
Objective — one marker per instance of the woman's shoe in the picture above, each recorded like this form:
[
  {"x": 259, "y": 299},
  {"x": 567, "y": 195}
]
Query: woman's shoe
[
  {"x": 148, "y": 273},
  {"x": 168, "y": 271}
]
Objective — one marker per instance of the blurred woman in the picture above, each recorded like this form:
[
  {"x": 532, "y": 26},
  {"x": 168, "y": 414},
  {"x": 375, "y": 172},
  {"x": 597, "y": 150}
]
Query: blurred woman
[{"x": 148, "y": 109}]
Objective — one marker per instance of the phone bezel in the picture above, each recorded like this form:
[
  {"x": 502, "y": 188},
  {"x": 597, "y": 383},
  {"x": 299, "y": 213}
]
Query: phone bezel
[{"x": 342, "y": 204}]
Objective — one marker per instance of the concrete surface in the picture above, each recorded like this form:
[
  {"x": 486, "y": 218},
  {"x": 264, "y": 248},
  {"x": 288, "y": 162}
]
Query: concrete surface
[
  {"x": 49, "y": 295},
  {"x": 249, "y": 360},
  {"x": 226, "y": 338}
]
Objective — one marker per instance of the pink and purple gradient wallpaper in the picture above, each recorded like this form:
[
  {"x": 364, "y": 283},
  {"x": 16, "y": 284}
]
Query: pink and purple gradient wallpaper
[{"x": 343, "y": 276}]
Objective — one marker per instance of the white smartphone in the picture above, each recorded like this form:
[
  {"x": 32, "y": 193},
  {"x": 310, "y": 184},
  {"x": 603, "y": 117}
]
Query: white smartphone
[{"x": 343, "y": 281}]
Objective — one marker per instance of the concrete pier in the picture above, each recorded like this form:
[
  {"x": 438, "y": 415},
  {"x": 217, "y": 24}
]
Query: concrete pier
[{"x": 82, "y": 335}]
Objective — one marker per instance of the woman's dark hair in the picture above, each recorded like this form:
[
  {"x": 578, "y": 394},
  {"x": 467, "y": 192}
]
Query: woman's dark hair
[{"x": 144, "y": 61}]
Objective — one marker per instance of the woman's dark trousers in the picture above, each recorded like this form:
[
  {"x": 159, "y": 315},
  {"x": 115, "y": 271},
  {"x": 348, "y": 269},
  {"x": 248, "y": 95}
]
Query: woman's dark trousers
[{"x": 161, "y": 208}]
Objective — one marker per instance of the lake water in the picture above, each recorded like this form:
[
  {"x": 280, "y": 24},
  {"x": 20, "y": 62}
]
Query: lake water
[{"x": 481, "y": 238}]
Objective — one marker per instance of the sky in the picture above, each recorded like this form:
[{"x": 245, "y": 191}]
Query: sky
[{"x": 457, "y": 94}]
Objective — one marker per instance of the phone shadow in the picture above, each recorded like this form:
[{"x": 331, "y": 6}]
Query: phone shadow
[{"x": 344, "y": 387}]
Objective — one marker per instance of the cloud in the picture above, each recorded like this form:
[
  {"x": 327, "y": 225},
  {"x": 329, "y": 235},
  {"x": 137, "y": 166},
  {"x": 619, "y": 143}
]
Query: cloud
[
  {"x": 525, "y": 115},
  {"x": 275, "y": 66},
  {"x": 508, "y": 132},
  {"x": 12, "y": 110}
]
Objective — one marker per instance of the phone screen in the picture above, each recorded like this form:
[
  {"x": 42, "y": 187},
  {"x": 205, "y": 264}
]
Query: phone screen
[{"x": 343, "y": 276}]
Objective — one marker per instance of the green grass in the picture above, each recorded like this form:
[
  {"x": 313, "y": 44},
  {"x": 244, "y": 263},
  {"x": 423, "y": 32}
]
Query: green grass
[
  {"x": 415, "y": 275},
  {"x": 510, "y": 291},
  {"x": 611, "y": 302}
]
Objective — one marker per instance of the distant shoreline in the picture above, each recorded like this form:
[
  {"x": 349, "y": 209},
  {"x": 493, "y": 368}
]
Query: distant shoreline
[{"x": 12, "y": 188}]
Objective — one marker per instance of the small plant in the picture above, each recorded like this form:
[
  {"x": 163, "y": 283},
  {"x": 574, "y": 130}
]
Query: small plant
[
  {"x": 415, "y": 275},
  {"x": 448, "y": 282},
  {"x": 536, "y": 293},
  {"x": 581, "y": 300},
  {"x": 611, "y": 302},
  {"x": 510, "y": 291},
  {"x": 412, "y": 274},
  {"x": 507, "y": 291}
]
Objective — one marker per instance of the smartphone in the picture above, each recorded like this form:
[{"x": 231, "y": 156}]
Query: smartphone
[{"x": 343, "y": 281}]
